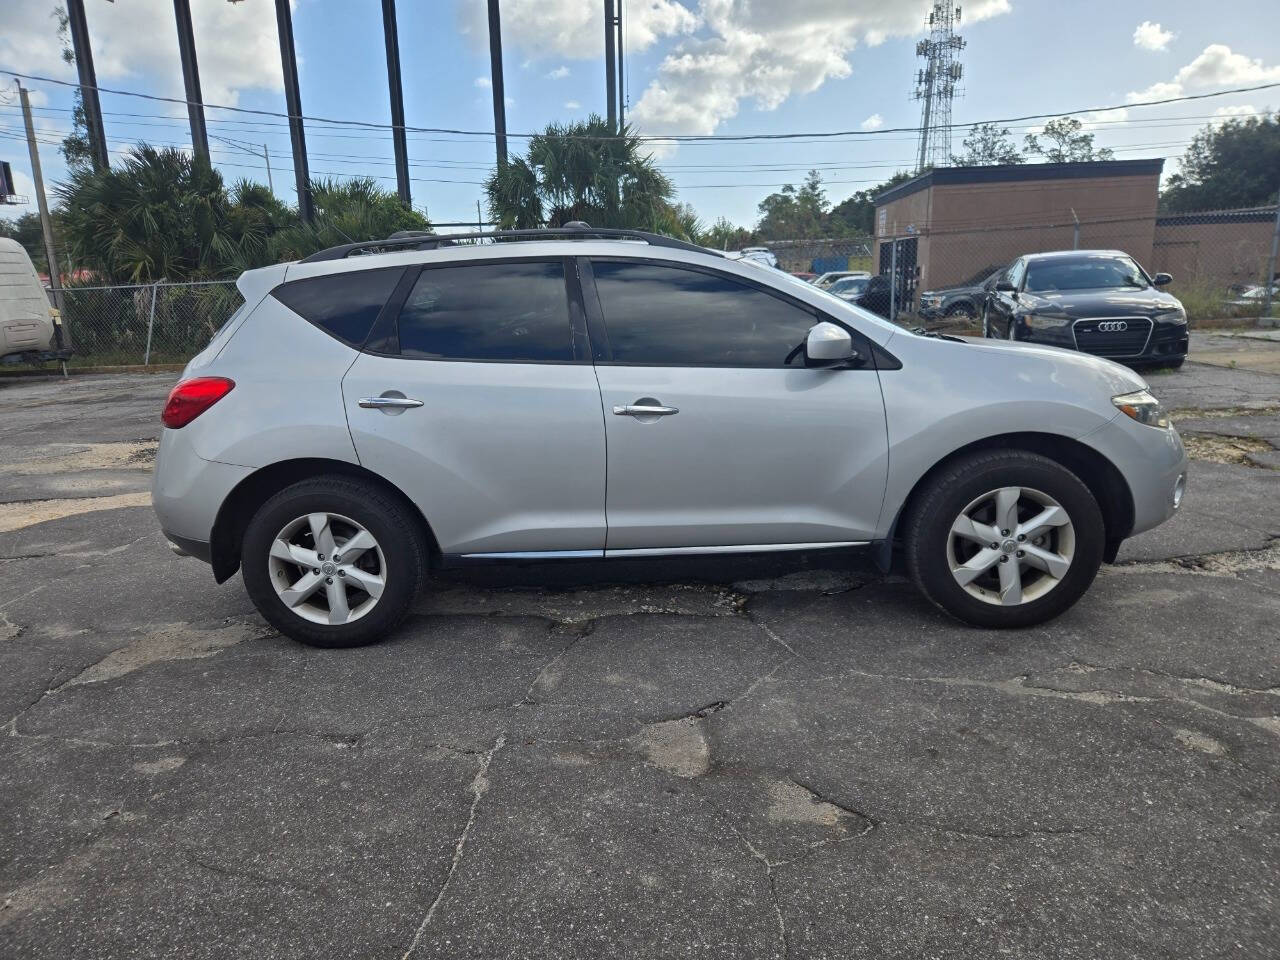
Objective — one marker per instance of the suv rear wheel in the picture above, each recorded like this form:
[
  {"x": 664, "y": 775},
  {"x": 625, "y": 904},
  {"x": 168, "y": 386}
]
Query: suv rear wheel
[
  {"x": 1004, "y": 539},
  {"x": 333, "y": 562}
]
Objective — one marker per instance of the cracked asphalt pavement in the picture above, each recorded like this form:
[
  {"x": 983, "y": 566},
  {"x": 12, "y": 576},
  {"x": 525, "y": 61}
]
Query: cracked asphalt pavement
[{"x": 790, "y": 758}]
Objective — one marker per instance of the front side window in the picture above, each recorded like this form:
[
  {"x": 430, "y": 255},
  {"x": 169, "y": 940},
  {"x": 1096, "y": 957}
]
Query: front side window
[
  {"x": 515, "y": 312},
  {"x": 1084, "y": 273},
  {"x": 667, "y": 316},
  {"x": 342, "y": 304}
]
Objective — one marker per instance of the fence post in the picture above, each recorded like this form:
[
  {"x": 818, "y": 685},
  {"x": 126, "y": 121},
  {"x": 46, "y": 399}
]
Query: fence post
[
  {"x": 151, "y": 321},
  {"x": 1269, "y": 275},
  {"x": 893, "y": 279}
]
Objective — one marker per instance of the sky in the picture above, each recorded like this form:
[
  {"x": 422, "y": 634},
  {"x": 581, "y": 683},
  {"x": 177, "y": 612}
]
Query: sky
[{"x": 692, "y": 67}]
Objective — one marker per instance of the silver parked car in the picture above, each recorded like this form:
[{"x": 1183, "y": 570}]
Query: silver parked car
[{"x": 381, "y": 409}]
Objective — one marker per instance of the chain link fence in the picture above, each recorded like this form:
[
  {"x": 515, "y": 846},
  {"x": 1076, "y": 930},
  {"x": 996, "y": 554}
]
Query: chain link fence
[
  {"x": 1223, "y": 262},
  {"x": 145, "y": 323}
]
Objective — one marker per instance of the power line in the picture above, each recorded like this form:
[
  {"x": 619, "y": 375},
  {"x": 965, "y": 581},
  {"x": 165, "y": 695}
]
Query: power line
[{"x": 659, "y": 138}]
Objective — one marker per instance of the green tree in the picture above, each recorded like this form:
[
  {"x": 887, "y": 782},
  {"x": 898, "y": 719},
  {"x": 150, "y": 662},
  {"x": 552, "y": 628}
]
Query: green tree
[
  {"x": 987, "y": 144},
  {"x": 1234, "y": 164},
  {"x": 27, "y": 231},
  {"x": 345, "y": 212},
  {"x": 794, "y": 213},
  {"x": 724, "y": 235},
  {"x": 1062, "y": 141},
  {"x": 855, "y": 216},
  {"x": 162, "y": 214},
  {"x": 581, "y": 171}
]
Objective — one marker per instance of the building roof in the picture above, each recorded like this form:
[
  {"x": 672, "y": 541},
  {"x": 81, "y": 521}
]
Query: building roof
[{"x": 1016, "y": 172}]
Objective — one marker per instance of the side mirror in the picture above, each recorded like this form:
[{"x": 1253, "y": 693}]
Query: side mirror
[
  {"x": 1004, "y": 286},
  {"x": 1162, "y": 279},
  {"x": 827, "y": 345}
]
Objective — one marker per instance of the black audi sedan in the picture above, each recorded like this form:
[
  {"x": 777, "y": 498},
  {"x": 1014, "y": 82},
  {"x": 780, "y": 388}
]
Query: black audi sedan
[{"x": 1095, "y": 301}]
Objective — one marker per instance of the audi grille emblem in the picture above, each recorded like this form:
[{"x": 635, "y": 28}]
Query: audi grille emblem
[{"x": 1112, "y": 326}]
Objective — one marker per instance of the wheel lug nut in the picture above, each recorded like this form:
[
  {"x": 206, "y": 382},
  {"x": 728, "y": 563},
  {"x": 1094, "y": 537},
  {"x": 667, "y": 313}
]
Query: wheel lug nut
[
  {"x": 328, "y": 579},
  {"x": 1021, "y": 537},
  {"x": 994, "y": 545},
  {"x": 342, "y": 573},
  {"x": 320, "y": 555},
  {"x": 1003, "y": 533},
  {"x": 1022, "y": 553},
  {"x": 315, "y": 570},
  {"x": 1004, "y": 558}
]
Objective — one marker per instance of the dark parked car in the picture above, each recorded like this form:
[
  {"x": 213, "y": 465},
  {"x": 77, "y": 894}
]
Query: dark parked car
[
  {"x": 964, "y": 300},
  {"x": 870, "y": 293},
  {"x": 1095, "y": 301}
]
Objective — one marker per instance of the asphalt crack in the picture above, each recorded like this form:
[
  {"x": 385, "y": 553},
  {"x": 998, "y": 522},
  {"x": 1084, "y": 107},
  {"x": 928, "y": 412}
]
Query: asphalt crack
[{"x": 479, "y": 787}]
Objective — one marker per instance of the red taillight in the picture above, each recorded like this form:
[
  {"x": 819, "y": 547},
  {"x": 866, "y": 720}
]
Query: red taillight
[{"x": 193, "y": 397}]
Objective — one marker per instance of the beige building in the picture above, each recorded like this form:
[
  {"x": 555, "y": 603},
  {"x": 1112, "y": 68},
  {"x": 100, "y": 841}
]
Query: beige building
[{"x": 1222, "y": 248}]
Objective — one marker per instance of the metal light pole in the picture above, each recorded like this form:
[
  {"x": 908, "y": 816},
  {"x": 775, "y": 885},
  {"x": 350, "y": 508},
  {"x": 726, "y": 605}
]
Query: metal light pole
[
  {"x": 191, "y": 77},
  {"x": 610, "y": 65},
  {"x": 390, "y": 34},
  {"x": 622, "y": 82},
  {"x": 495, "y": 70},
  {"x": 88, "y": 84},
  {"x": 293, "y": 102}
]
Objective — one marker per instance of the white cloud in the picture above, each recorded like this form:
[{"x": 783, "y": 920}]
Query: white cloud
[
  {"x": 873, "y": 122},
  {"x": 236, "y": 45},
  {"x": 1234, "y": 112},
  {"x": 574, "y": 28},
  {"x": 572, "y": 105},
  {"x": 1151, "y": 36},
  {"x": 1216, "y": 66},
  {"x": 768, "y": 52},
  {"x": 559, "y": 73},
  {"x": 483, "y": 82}
]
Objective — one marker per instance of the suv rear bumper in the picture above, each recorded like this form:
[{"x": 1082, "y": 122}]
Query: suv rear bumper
[{"x": 187, "y": 491}]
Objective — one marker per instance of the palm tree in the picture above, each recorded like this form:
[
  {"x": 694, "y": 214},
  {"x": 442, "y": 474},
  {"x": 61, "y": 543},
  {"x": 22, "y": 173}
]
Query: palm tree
[
  {"x": 163, "y": 214},
  {"x": 345, "y": 212},
  {"x": 583, "y": 171}
]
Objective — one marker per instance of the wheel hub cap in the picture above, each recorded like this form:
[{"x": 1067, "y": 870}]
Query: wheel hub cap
[
  {"x": 1011, "y": 546},
  {"x": 327, "y": 568}
]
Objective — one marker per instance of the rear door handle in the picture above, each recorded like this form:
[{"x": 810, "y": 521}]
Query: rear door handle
[{"x": 644, "y": 407}]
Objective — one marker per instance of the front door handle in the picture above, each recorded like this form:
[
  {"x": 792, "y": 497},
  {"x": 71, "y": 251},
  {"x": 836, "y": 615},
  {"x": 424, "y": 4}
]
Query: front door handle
[
  {"x": 644, "y": 407},
  {"x": 389, "y": 402}
]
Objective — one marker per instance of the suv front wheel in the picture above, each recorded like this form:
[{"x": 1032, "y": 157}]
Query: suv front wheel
[
  {"x": 1004, "y": 539},
  {"x": 333, "y": 562}
]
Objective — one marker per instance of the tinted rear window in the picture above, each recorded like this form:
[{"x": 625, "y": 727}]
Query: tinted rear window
[
  {"x": 517, "y": 312},
  {"x": 342, "y": 304}
]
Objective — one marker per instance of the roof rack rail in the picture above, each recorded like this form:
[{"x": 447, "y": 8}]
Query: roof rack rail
[{"x": 421, "y": 240}]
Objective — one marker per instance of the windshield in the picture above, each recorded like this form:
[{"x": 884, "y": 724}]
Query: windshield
[
  {"x": 849, "y": 285},
  {"x": 1083, "y": 273}
]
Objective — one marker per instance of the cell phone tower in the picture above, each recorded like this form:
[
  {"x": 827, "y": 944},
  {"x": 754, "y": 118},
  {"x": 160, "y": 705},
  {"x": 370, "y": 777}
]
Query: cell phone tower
[{"x": 938, "y": 83}]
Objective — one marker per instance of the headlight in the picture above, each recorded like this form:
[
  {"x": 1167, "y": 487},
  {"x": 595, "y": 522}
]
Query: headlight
[
  {"x": 1143, "y": 407},
  {"x": 1038, "y": 321},
  {"x": 1172, "y": 316}
]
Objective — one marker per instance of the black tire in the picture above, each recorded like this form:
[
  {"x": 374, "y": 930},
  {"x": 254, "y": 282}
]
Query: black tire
[
  {"x": 965, "y": 310},
  {"x": 945, "y": 495},
  {"x": 383, "y": 515}
]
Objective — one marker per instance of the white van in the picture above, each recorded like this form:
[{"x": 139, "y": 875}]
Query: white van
[{"x": 27, "y": 323}]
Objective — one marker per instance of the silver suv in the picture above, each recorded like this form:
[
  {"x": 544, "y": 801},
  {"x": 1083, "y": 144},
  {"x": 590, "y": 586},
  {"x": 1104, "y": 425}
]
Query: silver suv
[{"x": 381, "y": 409}]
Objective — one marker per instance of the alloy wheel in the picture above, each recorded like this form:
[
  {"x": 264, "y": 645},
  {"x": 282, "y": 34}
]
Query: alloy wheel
[
  {"x": 327, "y": 568},
  {"x": 1011, "y": 546}
]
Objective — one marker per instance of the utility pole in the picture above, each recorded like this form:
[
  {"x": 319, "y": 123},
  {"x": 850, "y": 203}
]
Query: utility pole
[
  {"x": 267, "y": 157},
  {"x": 88, "y": 84},
  {"x": 293, "y": 103},
  {"x": 391, "y": 35},
  {"x": 191, "y": 77},
  {"x": 622, "y": 77},
  {"x": 610, "y": 65},
  {"x": 50, "y": 254},
  {"x": 495, "y": 71}
]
